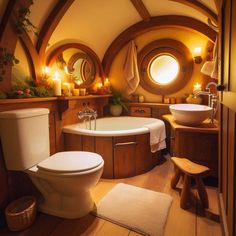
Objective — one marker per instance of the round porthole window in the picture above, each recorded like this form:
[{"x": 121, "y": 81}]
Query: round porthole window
[
  {"x": 165, "y": 66},
  {"x": 163, "y": 69}
]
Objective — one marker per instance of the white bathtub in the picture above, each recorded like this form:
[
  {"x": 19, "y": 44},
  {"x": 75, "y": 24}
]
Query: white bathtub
[{"x": 112, "y": 126}]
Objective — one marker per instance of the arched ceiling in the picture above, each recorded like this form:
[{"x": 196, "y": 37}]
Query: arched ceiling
[{"x": 96, "y": 23}]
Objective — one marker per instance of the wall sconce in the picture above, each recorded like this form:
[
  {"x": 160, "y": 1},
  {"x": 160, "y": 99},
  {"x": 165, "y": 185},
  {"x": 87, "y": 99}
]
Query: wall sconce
[{"x": 197, "y": 55}]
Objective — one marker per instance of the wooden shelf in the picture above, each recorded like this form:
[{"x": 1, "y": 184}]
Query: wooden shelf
[
  {"x": 84, "y": 97},
  {"x": 46, "y": 99},
  {"x": 149, "y": 104},
  {"x": 25, "y": 100}
]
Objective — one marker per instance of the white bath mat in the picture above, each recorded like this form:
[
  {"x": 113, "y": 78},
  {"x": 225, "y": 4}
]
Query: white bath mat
[{"x": 137, "y": 209}]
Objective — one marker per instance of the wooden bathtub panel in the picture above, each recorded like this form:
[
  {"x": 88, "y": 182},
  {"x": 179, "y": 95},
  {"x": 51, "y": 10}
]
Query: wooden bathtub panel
[
  {"x": 88, "y": 143},
  {"x": 104, "y": 147},
  {"x": 73, "y": 142},
  {"x": 124, "y": 157},
  {"x": 143, "y": 154}
]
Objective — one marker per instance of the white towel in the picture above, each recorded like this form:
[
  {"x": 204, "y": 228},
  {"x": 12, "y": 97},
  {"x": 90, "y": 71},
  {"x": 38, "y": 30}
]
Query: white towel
[
  {"x": 130, "y": 68},
  {"x": 210, "y": 68},
  {"x": 157, "y": 135}
]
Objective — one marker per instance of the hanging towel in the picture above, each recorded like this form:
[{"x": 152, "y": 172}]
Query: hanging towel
[
  {"x": 130, "y": 68},
  {"x": 210, "y": 68},
  {"x": 157, "y": 135}
]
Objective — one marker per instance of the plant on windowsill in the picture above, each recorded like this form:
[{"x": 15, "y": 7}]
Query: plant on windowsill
[{"x": 117, "y": 104}]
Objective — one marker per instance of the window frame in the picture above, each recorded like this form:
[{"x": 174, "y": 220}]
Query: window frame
[{"x": 170, "y": 47}]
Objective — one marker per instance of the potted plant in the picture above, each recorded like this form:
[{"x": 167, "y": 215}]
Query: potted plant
[{"x": 117, "y": 103}]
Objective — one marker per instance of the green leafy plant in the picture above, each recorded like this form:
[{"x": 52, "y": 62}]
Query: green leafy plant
[
  {"x": 3, "y": 95},
  {"x": 23, "y": 22},
  {"x": 118, "y": 99},
  {"x": 29, "y": 92},
  {"x": 6, "y": 59}
]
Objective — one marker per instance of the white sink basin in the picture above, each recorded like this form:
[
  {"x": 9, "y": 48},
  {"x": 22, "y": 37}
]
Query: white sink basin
[{"x": 190, "y": 114}]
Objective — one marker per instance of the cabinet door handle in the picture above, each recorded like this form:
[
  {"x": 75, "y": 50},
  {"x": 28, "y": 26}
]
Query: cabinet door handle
[
  {"x": 139, "y": 111},
  {"x": 124, "y": 144}
]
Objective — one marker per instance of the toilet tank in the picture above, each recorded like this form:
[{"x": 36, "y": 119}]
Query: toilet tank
[{"x": 24, "y": 137}]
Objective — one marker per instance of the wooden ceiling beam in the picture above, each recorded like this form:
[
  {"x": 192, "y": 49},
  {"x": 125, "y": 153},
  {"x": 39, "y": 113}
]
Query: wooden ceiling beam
[
  {"x": 141, "y": 9},
  {"x": 201, "y": 8},
  {"x": 50, "y": 25}
]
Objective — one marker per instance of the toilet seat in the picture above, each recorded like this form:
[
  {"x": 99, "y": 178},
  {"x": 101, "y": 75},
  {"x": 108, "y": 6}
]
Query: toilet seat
[{"x": 67, "y": 162}]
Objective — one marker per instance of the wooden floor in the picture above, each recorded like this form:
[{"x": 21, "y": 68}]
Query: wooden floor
[{"x": 193, "y": 222}]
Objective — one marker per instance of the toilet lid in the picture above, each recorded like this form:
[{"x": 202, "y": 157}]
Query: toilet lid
[{"x": 71, "y": 162}]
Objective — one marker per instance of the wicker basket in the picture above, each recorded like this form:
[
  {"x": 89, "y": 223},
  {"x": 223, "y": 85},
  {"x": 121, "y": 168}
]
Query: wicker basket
[{"x": 21, "y": 213}]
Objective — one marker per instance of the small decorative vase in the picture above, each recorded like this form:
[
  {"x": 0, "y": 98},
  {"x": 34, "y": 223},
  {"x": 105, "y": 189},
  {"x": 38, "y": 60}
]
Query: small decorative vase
[
  {"x": 116, "y": 110},
  {"x": 193, "y": 100}
]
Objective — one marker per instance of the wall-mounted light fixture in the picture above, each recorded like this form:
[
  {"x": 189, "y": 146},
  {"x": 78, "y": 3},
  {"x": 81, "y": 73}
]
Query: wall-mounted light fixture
[{"x": 197, "y": 55}]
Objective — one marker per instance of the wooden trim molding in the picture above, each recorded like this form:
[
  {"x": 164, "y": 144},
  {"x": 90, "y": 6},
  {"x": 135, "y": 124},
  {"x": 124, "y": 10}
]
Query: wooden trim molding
[
  {"x": 141, "y": 9},
  {"x": 223, "y": 216},
  {"x": 50, "y": 25},
  {"x": 154, "y": 23},
  {"x": 7, "y": 15},
  {"x": 32, "y": 55},
  {"x": 201, "y": 8}
]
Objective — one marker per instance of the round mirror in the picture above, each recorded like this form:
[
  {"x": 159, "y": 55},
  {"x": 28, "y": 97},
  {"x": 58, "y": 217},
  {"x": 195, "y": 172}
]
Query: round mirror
[
  {"x": 82, "y": 68},
  {"x": 76, "y": 61}
]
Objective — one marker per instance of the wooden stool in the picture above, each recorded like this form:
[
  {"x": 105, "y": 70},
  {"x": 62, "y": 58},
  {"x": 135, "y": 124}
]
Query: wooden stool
[{"x": 189, "y": 169}]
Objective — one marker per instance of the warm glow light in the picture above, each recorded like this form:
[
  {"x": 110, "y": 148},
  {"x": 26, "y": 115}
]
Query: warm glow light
[
  {"x": 197, "y": 51},
  {"x": 99, "y": 85},
  {"x": 164, "y": 69},
  {"x": 197, "y": 87},
  {"x": 107, "y": 83},
  {"x": 66, "y": 70},
  {"x": 56, "y": 75},
  {"x": 45, "y": 70},
  {"x": 57, "y": 84}
]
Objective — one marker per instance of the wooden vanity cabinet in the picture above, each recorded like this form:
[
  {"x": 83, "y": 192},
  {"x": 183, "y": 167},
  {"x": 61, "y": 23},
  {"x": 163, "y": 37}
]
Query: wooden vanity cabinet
[
  {"x": 199, "y": 144},
  {"x": 154, "y": 110}
]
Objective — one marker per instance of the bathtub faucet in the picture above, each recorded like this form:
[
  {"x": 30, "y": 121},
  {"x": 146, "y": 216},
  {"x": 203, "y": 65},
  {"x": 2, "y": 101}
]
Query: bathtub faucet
[
  {"x": 88, "y": 114},
  {"x": 212, "y": 98}
]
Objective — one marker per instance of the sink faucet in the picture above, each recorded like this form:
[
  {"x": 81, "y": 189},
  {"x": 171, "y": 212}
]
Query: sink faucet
[
  {"x": 88, "y": 113},
  {"x": 212, "y": 98}
]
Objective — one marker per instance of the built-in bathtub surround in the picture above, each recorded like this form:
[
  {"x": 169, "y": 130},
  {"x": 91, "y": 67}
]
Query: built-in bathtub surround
[
  {"x": 64, "y": 179},
  {"x": 123, "y": 142}
]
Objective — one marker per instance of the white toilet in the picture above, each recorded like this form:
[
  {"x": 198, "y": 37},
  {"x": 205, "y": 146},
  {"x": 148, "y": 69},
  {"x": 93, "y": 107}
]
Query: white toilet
[{"x": 64, "y": 179}]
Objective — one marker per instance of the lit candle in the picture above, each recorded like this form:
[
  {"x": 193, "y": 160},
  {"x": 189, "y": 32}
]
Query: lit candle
[
  {"x": 100, "y": 88},
  {"x": 76, "y": 92},
  {"x": 197, "y": 87},
  {"x": 107, "y": 83},
  {"x": 57, "y": 84},
  {"x": 66, "y": 89}
]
